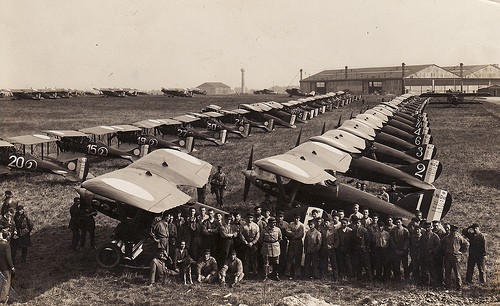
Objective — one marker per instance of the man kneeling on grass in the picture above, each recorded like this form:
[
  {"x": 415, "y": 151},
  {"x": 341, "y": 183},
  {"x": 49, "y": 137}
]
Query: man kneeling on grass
[
  {"x": 207, "y": 268},
  {"x": 232, "y": 269}
]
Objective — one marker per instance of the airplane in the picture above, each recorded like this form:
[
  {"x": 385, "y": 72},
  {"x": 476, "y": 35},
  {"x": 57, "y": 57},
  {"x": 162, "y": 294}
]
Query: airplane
[
  {"x": 177, "y": 92},
  {"x": 137, "y": 193},
  {"x": 37, "y": 159},
  {"x": 49, "y": 93},
  {"x": 455, "y": 98},
  {"x": 29, "y": 94},
  {"x": 259, "y": 112},
  {"x": 297, "y": 92},
  {"x": 197, "y": 91},
  {"x": 182, "y": 126},
  {"x": 73, "y": 144},
  {"x": 154, "y": 141},
  {"x": 292, "y": 179},
  {"x": 112, "y": 92},
  {"x": 212, "y": 121},
  {"x": 265, "y": 91},
  {"x": 242, "y": 117}
]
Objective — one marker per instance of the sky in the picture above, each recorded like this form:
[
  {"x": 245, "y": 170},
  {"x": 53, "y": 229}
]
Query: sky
[{"x": 149, "y": 44}]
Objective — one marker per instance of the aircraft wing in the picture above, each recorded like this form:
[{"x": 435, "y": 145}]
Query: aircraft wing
[
  {"x": 65, "y": 157},
  {"x": 345, "y": 137},
  {"x": 98, "y": 130},
  {"x": 295, "y": 168},
  {"x": 65, "y": 133},
  {"x": 175, "y": 166},
  {"x": 323, "y": 155},
  {"x": 31, "y": 139},
  {"x": 186, "y": 118},
  {"x": 125, "y": 128},
  {"x": 136, "y": 187},
  {"x": 4, "y": 144},
  {"x": 148, "y": 124}
]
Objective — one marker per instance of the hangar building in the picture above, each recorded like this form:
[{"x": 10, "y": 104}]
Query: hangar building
[
  {"x": 215, "y": 88},
  {"x": 404, "y": 78}
]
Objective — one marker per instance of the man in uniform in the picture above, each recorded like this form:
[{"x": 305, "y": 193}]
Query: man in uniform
[
  {"x": 8, "y": 202},
  {"x": 210, "y": 233},
  {"x": 361, "y": 241},
  {"x": 87, "y": 224},
  {"x": 207, "y": 268},
  {"x": 218, "y": 185},
  {"x": 283, "y": 226},
  {"x": 160, "y": 233},
  {"x": 331, "y": 240},
  {"x": 74, "y": 223},
  {"x": 429, "y": 248},
  {"x": 271, "y": 237},
  {"x": 295, "y": 234},
  {"x": 453, "y": 245},
  {"x": 232, "y": 269},
  {"x": 355, "y": 213},
  {"x": 477, "y": 253},
  {"x": 343, "y": 252},
  {"x": 250, "y": 234},
  {"x": 228, "y": 235},
  {"x": 399, "y": 242},
  {"x": 312, "y": 244},
  {"x": 159, "y": 267},
  {"x": 394, "y": 194},
  {"x": 380, "y": 256}
]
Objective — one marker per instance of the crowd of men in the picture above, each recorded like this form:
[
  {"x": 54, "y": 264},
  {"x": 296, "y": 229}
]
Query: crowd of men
[
  {"x": 82, "y": 222},
  {"x": 333, "y": 246},
  {"x": 15, "y": 234}
]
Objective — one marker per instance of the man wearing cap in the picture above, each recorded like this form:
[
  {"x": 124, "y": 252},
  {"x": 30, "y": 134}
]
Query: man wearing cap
[
  {"x": 271, "y": 237},
  {"x": 429, "y": 249},
  {"x": 218, "y": 185},
  {"x": 394, "y": 194},
  {"x": 343, "y": 251},
  {"x": 477, "y": 253},
  {"x": 399, "y": 243},
  {"x": 250, "y": 235},
  {"x": 160, "y": 233},
  {"x": 24, "y": 226},
  {"x": 361, "y": 241},
  {"x": 283, "y": 226},
  {"x": 453, "y": 246},
  {"x": 210, "y": 237},
  {"x": 228, "y": 235},
  {"x": 295, "y": 234},
  {"x": 312, "y": 245},
  {"x": 207, "y": 268},
  {"x": 232, "y": 269}
]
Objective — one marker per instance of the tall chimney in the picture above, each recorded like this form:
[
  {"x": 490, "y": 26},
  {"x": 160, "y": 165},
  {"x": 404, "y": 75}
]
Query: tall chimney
[
  {"x": 242, "y": 80},
  {"x": 301, "y": 74},
  {"x": 403, "y": 89},
  {"x": 461, "y": 77},
  {"x": 345, "y": 72}
]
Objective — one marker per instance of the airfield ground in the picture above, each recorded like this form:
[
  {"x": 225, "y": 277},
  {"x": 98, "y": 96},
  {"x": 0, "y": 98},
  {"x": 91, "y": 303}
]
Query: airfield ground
[{"x": 467, "y": 139}]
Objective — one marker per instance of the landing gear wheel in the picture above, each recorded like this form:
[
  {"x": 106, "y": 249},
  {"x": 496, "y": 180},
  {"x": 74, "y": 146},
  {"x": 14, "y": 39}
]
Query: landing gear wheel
[{"x": 109, "y": 255}]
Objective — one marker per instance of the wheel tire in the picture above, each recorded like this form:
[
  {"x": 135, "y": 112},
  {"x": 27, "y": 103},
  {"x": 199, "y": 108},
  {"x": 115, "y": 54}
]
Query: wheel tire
[{"x": 109, "y": 255}]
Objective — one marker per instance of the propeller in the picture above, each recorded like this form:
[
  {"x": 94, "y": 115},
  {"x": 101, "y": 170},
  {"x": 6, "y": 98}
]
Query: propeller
[
  {"x": 339, "y": 123},
  {"x": 351, "y": 115},
  {"x": 297, "y": 143},
  {"x": 247, "y": 180},
  {"x": 323, "y": 130}
]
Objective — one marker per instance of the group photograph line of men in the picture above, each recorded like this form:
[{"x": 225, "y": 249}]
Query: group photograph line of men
[{"x": 340, "y": 246}]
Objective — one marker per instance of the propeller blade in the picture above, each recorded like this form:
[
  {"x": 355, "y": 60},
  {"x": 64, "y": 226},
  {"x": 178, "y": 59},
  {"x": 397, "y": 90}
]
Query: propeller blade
[
  {"x": 246, "y": 188},
  {"x": 323, "y": 130},
  {"x": 298, "y": 138},
  {"x": 351, "y": 115},
  {"x": 340, "y": 122}
]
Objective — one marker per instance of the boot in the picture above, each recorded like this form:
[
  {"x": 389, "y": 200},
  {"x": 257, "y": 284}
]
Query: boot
[{"x": 266, "y": 272}]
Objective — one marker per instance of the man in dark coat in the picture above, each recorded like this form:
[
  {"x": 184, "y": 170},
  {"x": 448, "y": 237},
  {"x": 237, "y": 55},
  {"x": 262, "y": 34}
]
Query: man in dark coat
[
  {"x": 24, "y": 226},
  {"x": 74, "y": 222},
  {"x": 6, "y": 267},
  {"x": 477, "y": 253},
  {"x": 87, "y": 224}
]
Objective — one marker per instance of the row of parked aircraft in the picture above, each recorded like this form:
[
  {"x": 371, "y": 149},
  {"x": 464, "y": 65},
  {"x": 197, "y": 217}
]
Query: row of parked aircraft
[{"x": 396, "y": 133}]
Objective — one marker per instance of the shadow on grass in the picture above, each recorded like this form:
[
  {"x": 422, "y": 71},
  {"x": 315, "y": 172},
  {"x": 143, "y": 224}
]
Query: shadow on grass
[
  {"x": 487, "y": 178},
  {"x": 51, "y": 263}
]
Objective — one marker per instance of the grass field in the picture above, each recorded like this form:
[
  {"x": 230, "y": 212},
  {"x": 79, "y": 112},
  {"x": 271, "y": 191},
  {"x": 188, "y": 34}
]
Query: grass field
[{"x": 467, "y": 139}]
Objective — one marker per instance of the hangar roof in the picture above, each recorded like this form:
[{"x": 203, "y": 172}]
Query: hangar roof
[
  {"x": 394, "y": 72},
  {"x": 213, "y": 85}
]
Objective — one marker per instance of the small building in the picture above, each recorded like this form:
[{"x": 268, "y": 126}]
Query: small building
[
  {"x": 493, "y": 90},
  {"x": 215, "y": 88}
]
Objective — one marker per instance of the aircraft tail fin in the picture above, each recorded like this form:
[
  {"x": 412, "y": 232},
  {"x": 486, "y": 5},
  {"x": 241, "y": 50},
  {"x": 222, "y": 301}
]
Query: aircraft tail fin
[
  {"x": 434, "y": 203},
  {"x": 426, "y": 170},
  {"x": 246, "y": 130},
  {"x": 421, "y": 139},
  {"x": 292, "y": 119},
  {"x": 270, "y": 124},
  {"x": 423, "y": 152},
  {"x": 82, "y": 168}
]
